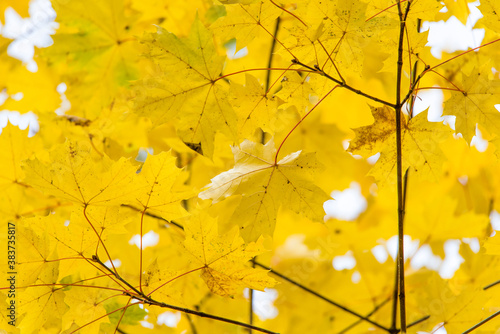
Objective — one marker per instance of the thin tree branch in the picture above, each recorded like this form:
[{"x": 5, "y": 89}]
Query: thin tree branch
[
  {"x": 343, "y": 84},
  {"x": 400, "y": 258},
  {"x": 491, "y": 285},
  {"x": 191, "y": 324},
  {"x": 152, "y": 215},
  {"x": 479, "y": 324},
  {"x": 416, "y": 322},
  {"x": 414, "y": 85},
  {"x": 394, "y": 309},
  {"x": 394, "y": 314},
  {"x": 150, "y": 301},
  {"x": 271, "y": 54},
  {"x": 359, "y": 321},
  {"x": 297, "y": 284}
]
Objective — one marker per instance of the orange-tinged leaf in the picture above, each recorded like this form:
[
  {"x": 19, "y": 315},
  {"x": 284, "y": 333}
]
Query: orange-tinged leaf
[
  {"x": 420, "y": 144},
  {"x": 224, "y": 257}
]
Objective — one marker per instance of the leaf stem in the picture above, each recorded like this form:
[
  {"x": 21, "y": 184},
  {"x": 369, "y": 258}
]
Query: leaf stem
[
  {"x": 287, "y": 11},
  {"x": 298, "y": 123},
  {"x": 99, "y": 237},
  {"x": 259, "y": 69}
]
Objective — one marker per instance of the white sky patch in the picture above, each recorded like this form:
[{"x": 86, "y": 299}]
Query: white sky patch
[
  {"x": 356, "y": 277},
  {"x": 373, "y": 159},
  {"x": 380, "y": 253},
  {"x": 342, "y": 262},
  {"x": 146, "y": 324},
  {"x": 23, "y": 121},
  {"x": 294, "y": 247},
  {"x": 478, "y": 142},
  {"x": 347, "y": 204},
  {"x": 28, "y": 33},
  {"x": 65, "y": 104},
  {"x": 432, "y": 99},
  {"x": 3, "y": 96},
  {"x": 463, "y": 179},
  {"x": 169, "y": 319},
  {"x": 438, "y": 329},
  {"x": 452, "y": 35},
  {"x": 263, "y": 303},
  {"x": 148, "y": 240},
  {"x": 410, "y": 247},
  {"x": 425, "y": 258},
  {"x": 473, "y": 244},
  {"x": 116, "y": 262},
  {"x": 495, "y": 221},
  {"x": 231, "y": 50},
  {"x": 452, "y": 259}
]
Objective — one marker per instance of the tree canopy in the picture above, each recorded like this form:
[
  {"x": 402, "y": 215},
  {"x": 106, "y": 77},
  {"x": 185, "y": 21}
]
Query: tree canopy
[{"x": 191, "y": 172}]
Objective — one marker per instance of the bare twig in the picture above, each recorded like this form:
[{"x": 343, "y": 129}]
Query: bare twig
[
  {"x": 479, "y": 324},
  {"x": 141, "y": 297},
  {"x": 343, "y": 83},
  {"x": 297, "y": 284}
]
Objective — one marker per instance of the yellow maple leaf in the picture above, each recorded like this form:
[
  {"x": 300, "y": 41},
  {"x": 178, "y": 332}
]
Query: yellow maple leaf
[
  {"x": 253, "y": 107},
  {"x": 420, "y": 144},
  {"x": 16, "y": 146},
  {"x": 245, "y": 22},
  {"x": 156, "y": 187},
  {"x": 186, "y": 86},
  {"x": 475, "y": 104},
  {"x": 94, "y": 48},
  {"x": 224, "y": 257},
  {"x": 265, "y": 185},
  {"x": 78, "y": 173}
]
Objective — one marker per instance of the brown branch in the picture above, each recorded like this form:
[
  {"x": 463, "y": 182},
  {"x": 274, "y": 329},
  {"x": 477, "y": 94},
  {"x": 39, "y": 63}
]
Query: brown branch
[
  {"x": 416, "y": 322},
  {"x": 343, "y": 83},
  {"x": 273, "y": 46},
  {"x": 152, "y": 215},
  {"x": 491, "y": 285},
  {"x": 415, "y": 84},
  {"x": 141, "y": 297},
  {"x": 359, "y": 321},
  {"x": 400, "y": 258},
  {"x": 297, "y": 284},
  {"x": 479, "y": 324}
]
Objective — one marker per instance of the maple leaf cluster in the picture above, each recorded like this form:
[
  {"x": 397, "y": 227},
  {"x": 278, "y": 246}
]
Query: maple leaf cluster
[{"x": 187, "y": 178}]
